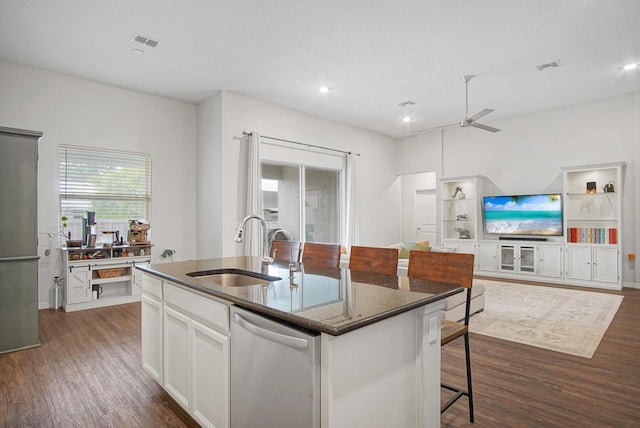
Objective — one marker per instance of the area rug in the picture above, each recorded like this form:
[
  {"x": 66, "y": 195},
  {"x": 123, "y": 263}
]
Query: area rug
[{"x": 563, "y": 320}]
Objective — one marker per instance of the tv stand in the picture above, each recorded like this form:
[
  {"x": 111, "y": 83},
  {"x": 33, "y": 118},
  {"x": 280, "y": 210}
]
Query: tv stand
[{"x": 520, "y": 238}]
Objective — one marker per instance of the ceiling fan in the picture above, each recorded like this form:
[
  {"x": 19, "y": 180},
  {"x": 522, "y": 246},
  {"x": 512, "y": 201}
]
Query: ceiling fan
[{"x": 468, "y": 120}]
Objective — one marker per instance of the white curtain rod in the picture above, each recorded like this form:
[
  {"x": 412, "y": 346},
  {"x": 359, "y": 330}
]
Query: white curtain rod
[{"x": 302, "y": 144}]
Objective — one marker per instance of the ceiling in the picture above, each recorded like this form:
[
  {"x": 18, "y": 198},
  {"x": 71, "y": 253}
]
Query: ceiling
[{"x": 373, "y": 54}]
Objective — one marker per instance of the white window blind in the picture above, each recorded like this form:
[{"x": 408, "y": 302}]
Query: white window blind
[{"x": 116, "y": 185}]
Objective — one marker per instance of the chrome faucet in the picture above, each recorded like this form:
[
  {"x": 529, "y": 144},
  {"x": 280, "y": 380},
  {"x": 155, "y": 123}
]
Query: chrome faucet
[{"x": 265, "y": 247}]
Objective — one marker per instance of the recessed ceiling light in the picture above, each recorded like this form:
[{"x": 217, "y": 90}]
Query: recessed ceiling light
[
  {"x": 324, "y": 89},
  {"x": 137, "y": 51},
  {"x": 630, "y": 66},
  {"x": 407, "y": 119}
]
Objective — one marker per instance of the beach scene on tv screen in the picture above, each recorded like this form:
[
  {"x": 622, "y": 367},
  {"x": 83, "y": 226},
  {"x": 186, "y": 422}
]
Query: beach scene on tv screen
[{"x": 523, "y": 215}]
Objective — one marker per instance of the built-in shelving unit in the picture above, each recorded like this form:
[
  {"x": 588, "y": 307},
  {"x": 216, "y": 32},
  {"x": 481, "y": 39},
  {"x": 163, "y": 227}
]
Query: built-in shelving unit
[
  {"x": 461, "y": 210},
  {"x": 95, "y": 277},
  {"x": 592, "y": 224}
]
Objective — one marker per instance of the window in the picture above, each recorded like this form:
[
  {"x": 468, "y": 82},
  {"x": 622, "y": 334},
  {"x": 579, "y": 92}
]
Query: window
[{"x": 116, "y": 185}]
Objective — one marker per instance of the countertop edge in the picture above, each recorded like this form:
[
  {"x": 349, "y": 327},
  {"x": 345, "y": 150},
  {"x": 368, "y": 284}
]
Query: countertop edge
[{"x": 297, "y": 321}]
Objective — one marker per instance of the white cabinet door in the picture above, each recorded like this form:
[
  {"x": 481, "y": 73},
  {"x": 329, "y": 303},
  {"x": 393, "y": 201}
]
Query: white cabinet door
[
  {"x": 210, "y": 372},
  {"x": 176, "y": 349},
  {"x": 550, "y": 261},
  {"x": 487, "y": 257},
  {"x": 605, "y": 264},
  {"x": 579, "y": 262},
  {"x": 467, "y": 247},
  {"x": 152, "y": 337},
  {"x": 78, "y": 285}
]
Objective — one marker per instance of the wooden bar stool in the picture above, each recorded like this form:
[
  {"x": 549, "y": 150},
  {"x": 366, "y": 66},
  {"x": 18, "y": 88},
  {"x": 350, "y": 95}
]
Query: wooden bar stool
[
  {"x": 285, "y": 251},
  {"x": 452, "y": 268},
  {"x": 374, "y": 259},
  {"x": 327, "y": 255}
]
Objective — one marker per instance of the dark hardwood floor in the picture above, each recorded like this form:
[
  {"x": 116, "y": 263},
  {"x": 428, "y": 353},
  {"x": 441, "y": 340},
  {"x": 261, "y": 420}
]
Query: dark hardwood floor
[
  {"x": 87, "y": 373},
  {"x": 517, "y": 385}
]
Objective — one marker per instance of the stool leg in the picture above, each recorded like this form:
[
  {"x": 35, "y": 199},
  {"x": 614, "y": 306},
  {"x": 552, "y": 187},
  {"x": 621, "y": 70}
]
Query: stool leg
[{"x": 469, "y": 387}]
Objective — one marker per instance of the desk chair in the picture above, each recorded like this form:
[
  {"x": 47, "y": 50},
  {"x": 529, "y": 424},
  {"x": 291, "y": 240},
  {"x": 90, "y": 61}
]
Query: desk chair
[
  {"x": 374, "y": 259},
  {"x": 457, "y": 269},
  {"x": 325, "y": 255}
]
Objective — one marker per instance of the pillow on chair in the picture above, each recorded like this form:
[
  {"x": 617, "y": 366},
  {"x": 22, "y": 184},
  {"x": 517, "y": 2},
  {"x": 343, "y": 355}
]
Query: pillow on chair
[{"x": 405, "y": 247}]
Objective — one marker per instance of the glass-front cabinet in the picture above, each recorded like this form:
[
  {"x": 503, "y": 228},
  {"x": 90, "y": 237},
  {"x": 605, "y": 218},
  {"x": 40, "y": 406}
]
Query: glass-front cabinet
[{"x": 518, "y": 258}]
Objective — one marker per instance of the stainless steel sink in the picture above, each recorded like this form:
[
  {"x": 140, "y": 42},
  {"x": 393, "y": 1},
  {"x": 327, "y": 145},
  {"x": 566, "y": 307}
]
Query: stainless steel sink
[{"x": 233, "y": 277}]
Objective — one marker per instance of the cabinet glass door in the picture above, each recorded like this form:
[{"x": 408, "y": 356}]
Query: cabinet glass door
[
  {"x": 527, "y": 259},
  {"x": 507, "y": 257}
]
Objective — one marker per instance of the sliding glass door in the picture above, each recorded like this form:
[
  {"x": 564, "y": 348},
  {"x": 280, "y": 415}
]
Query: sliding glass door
[{"x": 302, "y": 202}]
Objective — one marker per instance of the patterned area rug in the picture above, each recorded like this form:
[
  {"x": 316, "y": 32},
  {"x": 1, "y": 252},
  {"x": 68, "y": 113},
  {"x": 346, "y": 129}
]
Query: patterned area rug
[{"x": 563, "y": 320}]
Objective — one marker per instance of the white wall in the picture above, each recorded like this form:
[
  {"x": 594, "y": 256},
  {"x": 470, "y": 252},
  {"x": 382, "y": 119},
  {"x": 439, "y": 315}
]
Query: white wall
[
  {"x": 527, "y": 155},
  {"x": 80, "y": 112},
  {"x": 377, "y": 187}
]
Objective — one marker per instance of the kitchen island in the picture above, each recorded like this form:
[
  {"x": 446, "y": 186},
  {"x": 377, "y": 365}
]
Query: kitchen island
[{"x": 378, "y": 362}]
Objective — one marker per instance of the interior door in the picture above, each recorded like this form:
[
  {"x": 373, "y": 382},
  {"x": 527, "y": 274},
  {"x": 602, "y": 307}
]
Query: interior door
[{"x": 424, "y": 215}]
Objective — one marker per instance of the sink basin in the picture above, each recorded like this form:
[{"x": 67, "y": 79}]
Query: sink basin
[{"x": 233, "y": 277}]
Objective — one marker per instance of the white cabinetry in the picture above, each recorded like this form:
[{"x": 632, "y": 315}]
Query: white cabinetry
[
  {"x": 195, "y": 353},
  {"x": 152, "y": 325},
  {"x": 550, "y": 260},
  {"x": 593, "y": 265},
  {"x": 487, "y": 257},
  {"x": 593, "y": 224},
  {"x": 95, "y": 277},
  {"x": 518, "y": 258}
]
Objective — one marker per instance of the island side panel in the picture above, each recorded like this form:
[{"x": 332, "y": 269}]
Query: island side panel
[{"x": 385, "y": 374}]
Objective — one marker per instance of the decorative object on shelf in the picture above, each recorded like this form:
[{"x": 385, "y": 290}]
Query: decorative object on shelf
[
  {"x": 458, "y": 193},
  {"x": 591, "y": 187},
  {"x": 168, "y": 253},
  {"x": 464, "y": 233},
  {"x": 462, "y": 217},
  {"x": 609, "y": 187}
]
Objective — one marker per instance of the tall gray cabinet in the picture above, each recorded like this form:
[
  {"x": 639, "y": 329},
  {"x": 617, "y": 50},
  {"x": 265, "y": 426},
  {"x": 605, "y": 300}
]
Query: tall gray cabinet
[{"x": 19, "y": 248}]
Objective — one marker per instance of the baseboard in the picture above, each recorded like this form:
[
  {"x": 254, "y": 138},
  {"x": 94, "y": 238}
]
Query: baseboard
[{"x": 627, "y": 284}]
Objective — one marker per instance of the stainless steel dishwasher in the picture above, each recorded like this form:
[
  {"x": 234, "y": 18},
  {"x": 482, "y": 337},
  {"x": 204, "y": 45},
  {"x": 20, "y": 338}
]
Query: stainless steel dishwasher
[{"x": 275, "y": 374}]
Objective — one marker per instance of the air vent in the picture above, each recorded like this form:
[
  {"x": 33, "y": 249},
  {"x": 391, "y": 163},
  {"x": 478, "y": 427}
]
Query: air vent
[
  {"x": 407, "y": 104},
  {"x": 552, "y": 64},
  {"x": 145, "y": 40}
]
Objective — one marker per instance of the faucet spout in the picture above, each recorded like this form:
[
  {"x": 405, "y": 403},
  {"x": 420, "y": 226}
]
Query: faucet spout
[{"x": 240, "y": 232}]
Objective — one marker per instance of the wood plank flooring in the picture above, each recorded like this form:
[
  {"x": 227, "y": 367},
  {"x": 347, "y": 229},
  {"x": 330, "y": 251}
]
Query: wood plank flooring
[
  {"x": 517, "y": 385},
  {"x": 87, "y": 373}
]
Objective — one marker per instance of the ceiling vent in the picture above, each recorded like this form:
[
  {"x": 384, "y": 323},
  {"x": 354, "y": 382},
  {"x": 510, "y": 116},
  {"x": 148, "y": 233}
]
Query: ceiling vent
[
  {"x": 407, "y": 104},
  {"x": 552, "y": 64},
  {"x": 145, "y": 40}
]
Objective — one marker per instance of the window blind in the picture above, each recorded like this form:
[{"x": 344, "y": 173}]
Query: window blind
[{"x": 116, "y": 185}]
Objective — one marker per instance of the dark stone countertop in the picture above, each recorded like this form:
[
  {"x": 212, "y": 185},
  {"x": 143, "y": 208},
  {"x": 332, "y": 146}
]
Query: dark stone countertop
[{"x": 319, "y": 300}]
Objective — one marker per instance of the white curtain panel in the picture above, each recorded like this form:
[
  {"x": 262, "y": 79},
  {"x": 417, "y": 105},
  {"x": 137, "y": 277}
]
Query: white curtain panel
[
  {"x": 253, "y": 232},
  {"x": 349, "y": 231}
]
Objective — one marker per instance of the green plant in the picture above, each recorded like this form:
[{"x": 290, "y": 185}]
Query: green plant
[{"x": 168, "y": 253}]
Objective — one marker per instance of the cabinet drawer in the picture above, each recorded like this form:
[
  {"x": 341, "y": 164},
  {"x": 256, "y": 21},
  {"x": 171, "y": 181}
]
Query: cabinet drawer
[
  {"x": 152, "y": 285},
  {"x": 198, "y": 305}
]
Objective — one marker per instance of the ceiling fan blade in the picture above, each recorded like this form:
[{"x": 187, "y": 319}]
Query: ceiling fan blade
[
  {"x": 485, "y": 127},
  {"x": 436, "y": 128},
  {"x": 480, "y": 114}
]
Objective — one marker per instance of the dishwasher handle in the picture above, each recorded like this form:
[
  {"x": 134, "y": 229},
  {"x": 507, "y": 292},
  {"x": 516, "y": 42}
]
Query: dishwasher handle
[{"x": 283, "y": 339}]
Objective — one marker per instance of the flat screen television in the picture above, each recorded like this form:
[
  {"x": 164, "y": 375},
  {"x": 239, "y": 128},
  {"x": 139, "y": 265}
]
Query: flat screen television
[{"x": 533, "y": 215}]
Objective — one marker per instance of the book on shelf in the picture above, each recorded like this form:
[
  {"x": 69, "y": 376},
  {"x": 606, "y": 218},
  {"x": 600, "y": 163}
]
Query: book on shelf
[{"x": 592, "y": 235}]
